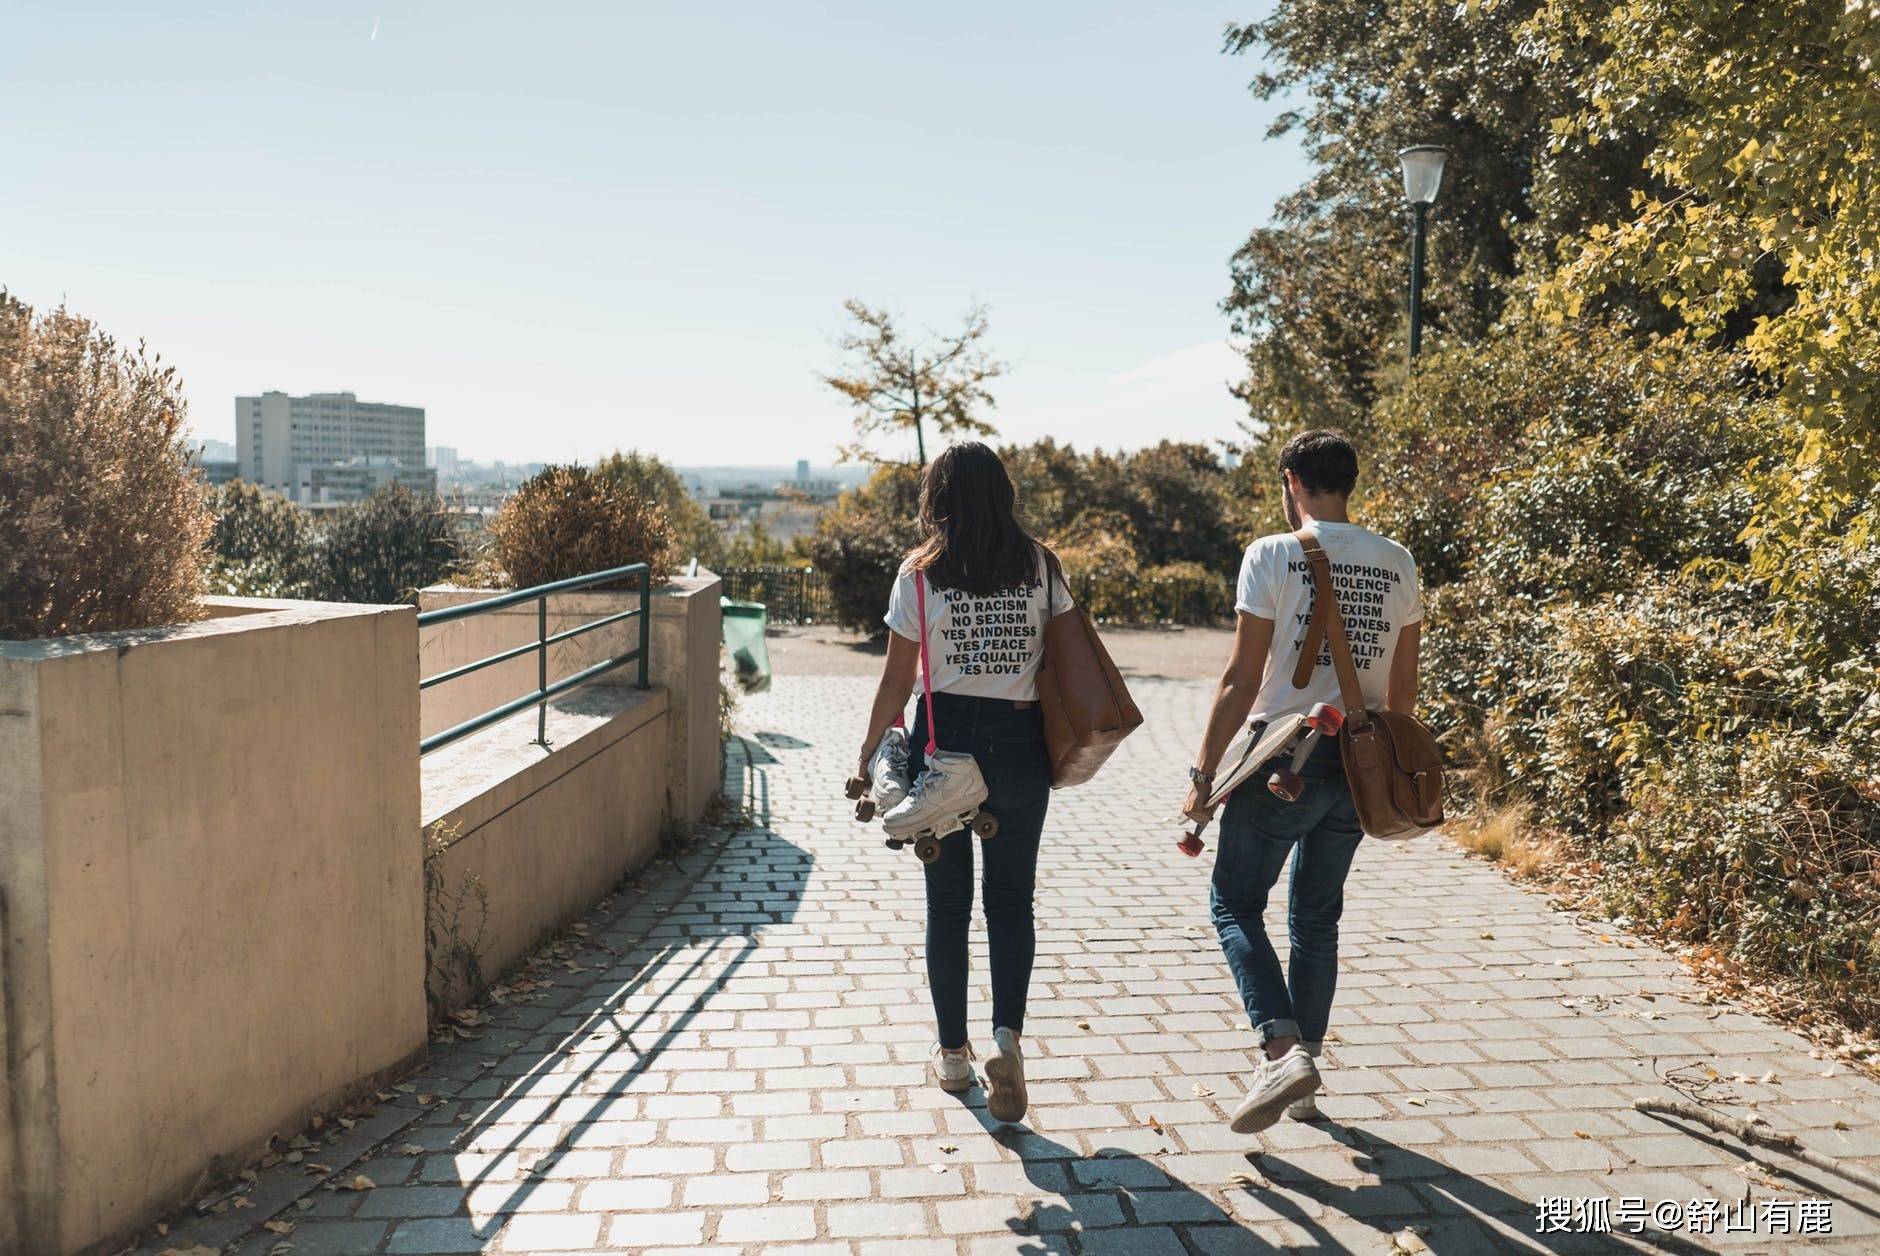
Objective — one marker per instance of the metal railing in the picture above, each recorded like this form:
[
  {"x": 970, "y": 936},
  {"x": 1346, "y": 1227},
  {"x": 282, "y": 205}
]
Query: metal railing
[
  {"x": 793, "y": 595},
  {"x": 543, "y": 691}
]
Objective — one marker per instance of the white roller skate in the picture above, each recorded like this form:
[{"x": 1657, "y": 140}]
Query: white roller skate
[
  {"x": 887, "y": 770},
  {"x": 945, "y": 798}
]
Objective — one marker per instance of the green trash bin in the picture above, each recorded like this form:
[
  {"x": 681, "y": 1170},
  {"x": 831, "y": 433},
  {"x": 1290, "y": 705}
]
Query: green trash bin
[{"x": 745, "y": 623}]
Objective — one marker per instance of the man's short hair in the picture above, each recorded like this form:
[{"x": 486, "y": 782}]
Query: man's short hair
[{"x": 1324, "y": 460}]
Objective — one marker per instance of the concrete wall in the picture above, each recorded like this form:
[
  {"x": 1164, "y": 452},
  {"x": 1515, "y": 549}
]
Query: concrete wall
[
  {"x": 683, "y": 653},
  {"x": 544, "y": 833},
  {"x": 213, "y": 899}
]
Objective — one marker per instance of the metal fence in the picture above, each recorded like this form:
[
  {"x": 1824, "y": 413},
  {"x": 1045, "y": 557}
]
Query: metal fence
[
  {"x": 543, "y": 690},
  {"x": 793, "y": 595}
]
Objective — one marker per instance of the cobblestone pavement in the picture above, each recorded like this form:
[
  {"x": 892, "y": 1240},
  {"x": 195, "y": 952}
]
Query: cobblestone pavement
[{"x": 745, "y": 1074}]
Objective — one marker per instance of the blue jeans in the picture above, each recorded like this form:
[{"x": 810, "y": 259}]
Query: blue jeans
[
  {"x": 1257, "y": 832},
  {"x": 1008, "y": 742}
]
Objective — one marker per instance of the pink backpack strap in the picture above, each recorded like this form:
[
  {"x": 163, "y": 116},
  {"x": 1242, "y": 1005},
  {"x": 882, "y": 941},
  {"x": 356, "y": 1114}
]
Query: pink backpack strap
[{"x": 926, "y": 682}]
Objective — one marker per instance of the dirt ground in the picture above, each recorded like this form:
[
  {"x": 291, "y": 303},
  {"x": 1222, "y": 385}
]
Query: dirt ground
[{"x": 1173, "y": 653}]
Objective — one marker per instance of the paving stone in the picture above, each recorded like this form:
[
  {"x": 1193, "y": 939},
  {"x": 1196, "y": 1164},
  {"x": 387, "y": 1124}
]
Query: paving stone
[{"x": 744, "y": 1073}]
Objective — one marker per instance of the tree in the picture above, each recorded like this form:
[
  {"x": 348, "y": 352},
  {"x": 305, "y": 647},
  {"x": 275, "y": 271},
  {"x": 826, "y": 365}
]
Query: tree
[
  {"x": 385, "y": 548},
  {"x": 1774, "y": 177},
  {"x": 1319, "y": 293},
  {"x": 261, "y": 544},
  {"x": 895, "y": 383},
  {"x": 694, "y": 533}
]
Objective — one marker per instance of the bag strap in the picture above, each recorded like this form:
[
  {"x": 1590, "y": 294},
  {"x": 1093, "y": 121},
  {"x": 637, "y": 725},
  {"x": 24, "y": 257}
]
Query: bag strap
[
  {"x": 926, "y": 683},
  {"x": 1327, "y": 622}
]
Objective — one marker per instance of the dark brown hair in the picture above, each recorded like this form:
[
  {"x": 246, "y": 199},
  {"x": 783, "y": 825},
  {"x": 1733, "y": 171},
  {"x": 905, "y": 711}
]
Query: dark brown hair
[
  {"x": 1324, "y": 460},
  {"x": 969, "y": 511}
]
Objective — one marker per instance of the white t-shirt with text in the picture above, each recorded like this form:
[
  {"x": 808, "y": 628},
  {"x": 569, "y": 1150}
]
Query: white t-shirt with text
[
  {"x": 987, "y": 647},
  {"x": 1376, "y": 582}
]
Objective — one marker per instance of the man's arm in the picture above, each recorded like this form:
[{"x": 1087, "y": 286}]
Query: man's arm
[
  {"x": 1240, "y": 685},
  {"x": 1400, "y": 691}
]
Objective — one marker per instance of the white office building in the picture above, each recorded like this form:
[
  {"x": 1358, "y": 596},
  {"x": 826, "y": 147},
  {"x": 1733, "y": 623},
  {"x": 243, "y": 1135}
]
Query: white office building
[{"x": 281, "y": 439}]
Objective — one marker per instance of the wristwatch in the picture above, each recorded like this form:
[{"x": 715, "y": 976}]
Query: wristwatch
[{"x": 1203, "y": 779}]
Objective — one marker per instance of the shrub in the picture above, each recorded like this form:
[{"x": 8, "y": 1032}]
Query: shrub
[
  {"x": 262, "y": 544},
  {"x": 569, "y": 521},
  {"x": 694, "y": 532},
  {"x": 861, "y": 541},
  {"x": 384, "y": 549},
  {"x": 102, "y": 520}
]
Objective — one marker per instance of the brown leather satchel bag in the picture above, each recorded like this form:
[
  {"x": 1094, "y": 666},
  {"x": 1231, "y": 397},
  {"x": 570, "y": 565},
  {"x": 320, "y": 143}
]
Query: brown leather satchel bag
[
  {"x": 1087, "y": 708},
  {"x": 1391, "y": 761}
]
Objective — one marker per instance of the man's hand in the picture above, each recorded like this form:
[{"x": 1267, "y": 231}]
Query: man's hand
[{"x": 1196, "y": 808}]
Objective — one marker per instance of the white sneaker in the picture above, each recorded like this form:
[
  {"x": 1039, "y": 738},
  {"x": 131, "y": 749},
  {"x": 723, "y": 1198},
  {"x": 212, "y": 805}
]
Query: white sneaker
[
  {"x": 942, "y": 800},
  {"x": 1291, "y": 1077},
  {"x": 952, "y": 1070},
  {"x": 1307, "y": 1109},
  {"x": 887, "y": 770},
  {"x": 1005, "y": 1078}
]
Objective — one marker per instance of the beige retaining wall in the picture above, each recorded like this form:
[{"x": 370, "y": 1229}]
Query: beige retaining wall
[
  {"x": 212, "y": 896},
  {"x": 683, "y": 660}
]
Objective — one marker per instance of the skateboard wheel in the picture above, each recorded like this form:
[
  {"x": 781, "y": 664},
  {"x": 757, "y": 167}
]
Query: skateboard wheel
[
  {"x": 1286, "y": 783},
  {"x": 985, "y": 825},
  {"x": 927, "y": 849},
  {"x": 1327, "y": 719},
  {"x": 1189, "y": 845}
]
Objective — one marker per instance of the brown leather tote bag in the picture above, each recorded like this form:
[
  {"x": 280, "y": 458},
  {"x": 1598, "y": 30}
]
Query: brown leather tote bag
[
  {"x": 1391, "y": 761},
  {"x": 1087, "y": 708}
]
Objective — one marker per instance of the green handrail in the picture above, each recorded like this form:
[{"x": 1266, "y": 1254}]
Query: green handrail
[{"x": 543, "y": 690}]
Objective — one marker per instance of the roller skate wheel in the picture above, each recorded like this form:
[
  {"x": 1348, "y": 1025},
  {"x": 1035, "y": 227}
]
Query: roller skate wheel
[
  {"x": 1189, "y": 845},
  {"x": 893, "y": 843},
  {"x": 927, "y": 849},
  {"x": 985, "y": 825},
  {"x": 855, "y": 787},
  {"x": 865, "y": 810},
  {"x": 1286, "y": 783}
]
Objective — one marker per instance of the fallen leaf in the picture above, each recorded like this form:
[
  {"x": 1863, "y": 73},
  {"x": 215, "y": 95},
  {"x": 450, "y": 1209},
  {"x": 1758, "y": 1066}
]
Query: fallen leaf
[
  {"x": 303, "y": 1203},
  {"x": 411, "y": 1149},
  {"x": 1249, "y": 1181},
  {"x": 1083, "y": 1024},
  {"x": 360, "y": 1182},
  {"x": 278, "y": 1227},
  {"x": 1418, "y": 1100},
  {"x": 949, "y": 1148},
  {"x": 1581, "y": 1134},
  {"x": 1408, "y": 1241},
  {"x": 196, "y": 1250},
  {"x": 1152, "y": 1123},
  {"x": 1488, "y": 937},
  {"x": 1841, "y": 1125},
  {"x": 1202, "y": 1092},
  {"x": 317, "y": 1169}
]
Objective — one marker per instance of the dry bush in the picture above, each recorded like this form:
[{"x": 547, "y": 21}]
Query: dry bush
[
  {"x": 102, "y": 521},
  {"x": 1507, "y": 836},
  {"x": 569, "y": 521}
]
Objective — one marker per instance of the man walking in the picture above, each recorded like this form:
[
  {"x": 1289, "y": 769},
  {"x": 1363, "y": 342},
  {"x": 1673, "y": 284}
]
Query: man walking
[{"x": 1375, "y": 581}]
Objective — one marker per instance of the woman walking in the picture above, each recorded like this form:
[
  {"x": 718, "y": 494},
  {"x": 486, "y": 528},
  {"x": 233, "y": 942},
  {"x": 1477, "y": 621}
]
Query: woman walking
[{"x": 987, "y": 589}]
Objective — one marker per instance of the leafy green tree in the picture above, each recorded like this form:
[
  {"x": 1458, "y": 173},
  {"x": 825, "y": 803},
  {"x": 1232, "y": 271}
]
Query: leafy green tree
[
  {"x": 383, "y": 549},
  {"x": 895, "y": 383},
  {"x": 262, "y": 543},
  {"x": 861, "y": 541},
  {"x": 1775, "y": 173},
  {"x": 1319, "y": 292},
  {"x": 694, "y": 533}
]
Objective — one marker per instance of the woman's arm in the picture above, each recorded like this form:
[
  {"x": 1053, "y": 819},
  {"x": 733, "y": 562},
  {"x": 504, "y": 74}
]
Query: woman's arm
[
  {"x": 1400, "y": 691},
  {"x": 1240, "y": 685},
  {"x": 897, "y": 682}
]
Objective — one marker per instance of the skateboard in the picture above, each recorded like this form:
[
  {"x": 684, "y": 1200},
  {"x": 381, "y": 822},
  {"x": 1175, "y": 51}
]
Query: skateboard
[{"x": 1291, "y": 738}]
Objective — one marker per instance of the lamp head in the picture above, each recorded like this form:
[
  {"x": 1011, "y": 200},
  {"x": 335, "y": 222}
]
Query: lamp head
[{"x": 1423, "y": 172}]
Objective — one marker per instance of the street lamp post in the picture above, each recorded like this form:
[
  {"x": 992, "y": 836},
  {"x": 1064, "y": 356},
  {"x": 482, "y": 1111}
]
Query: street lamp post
[{"x": 1422, "y": 180}]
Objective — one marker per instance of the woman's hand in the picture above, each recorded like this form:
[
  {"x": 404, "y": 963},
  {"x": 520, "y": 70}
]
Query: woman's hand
[
  {"x": 1196, "y": 808},
  {"x": 861, "y": 764}
]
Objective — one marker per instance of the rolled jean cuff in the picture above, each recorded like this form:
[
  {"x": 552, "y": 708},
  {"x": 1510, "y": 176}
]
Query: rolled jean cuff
[{"x": 1266, "y": 1031}]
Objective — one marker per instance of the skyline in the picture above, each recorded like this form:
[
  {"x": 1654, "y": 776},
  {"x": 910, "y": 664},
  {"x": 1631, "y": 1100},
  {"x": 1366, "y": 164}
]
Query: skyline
[{"x": 634, "y": 227}]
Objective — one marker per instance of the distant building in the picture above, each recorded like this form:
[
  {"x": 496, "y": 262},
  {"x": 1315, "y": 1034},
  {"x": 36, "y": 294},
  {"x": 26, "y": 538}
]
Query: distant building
[
  {"x": 217, "y": 451},
  {"x": 444, "y": 459},
  {"x": 802, "y": 470},
  {"x": 280, "y": 440},
  {"x": 341, "y": 483},
  {"x": 216, "y": 470}
]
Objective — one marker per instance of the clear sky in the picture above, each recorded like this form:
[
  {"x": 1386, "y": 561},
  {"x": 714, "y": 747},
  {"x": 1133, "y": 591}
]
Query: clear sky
[{"x": 568, "y": 228}]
